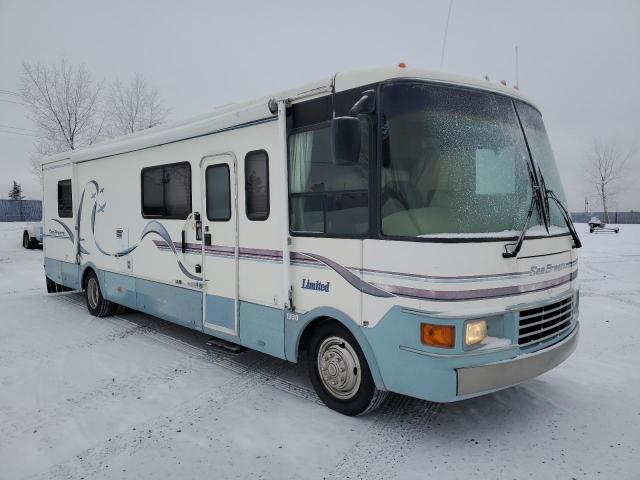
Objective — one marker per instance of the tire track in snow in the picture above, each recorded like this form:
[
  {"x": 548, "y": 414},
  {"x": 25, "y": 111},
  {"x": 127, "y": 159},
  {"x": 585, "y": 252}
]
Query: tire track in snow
[
  {"x": 133, "y": 386},
  {"x": 399, "y": 423},
  {"x": 125, "y": 328},
  {"x": 223, "y": 359},
  {"x": 254, "y": 372},
  {"x": 201, "y": 411}
]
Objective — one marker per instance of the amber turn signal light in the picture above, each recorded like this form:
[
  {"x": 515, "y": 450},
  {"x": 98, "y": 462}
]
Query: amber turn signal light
[{"x": 442, "y": 336}]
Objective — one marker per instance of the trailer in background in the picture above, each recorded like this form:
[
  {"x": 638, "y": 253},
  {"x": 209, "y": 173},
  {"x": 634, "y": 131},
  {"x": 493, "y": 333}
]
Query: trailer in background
[{"x": 596, "y": 226}]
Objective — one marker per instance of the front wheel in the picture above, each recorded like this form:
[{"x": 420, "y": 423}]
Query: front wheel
[
  {"x": 339, "y": 371},
  {"x": 98, "y": 305}
]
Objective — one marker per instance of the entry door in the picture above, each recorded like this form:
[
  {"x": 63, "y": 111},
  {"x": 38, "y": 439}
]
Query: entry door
[{"x": 220, "y": 237}]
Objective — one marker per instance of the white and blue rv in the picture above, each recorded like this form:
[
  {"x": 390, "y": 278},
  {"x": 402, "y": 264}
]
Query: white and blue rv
[{"x": 406, "y": 230}]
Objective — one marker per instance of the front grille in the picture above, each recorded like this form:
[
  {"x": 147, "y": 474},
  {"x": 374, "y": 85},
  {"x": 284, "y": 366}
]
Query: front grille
[{"x": 542, "y": 323}]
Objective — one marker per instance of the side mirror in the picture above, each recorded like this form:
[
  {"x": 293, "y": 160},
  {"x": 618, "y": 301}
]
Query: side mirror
[
  {"x": 366, "y": 104},
  {"x": 345, "y": 140}
]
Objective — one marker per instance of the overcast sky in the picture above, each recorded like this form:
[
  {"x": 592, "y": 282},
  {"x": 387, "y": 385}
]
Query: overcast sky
[{"x": 579, "y": 60}]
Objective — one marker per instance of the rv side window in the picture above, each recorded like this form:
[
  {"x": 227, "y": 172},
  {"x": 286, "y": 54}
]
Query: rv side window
[
  {"x": 166, "y": 191},
  {"x": 256, "y": 185},
  {"x": 218, "y": 193},
  {"x": 326, "y": 198},
  {"x": 65, "y": 199}
]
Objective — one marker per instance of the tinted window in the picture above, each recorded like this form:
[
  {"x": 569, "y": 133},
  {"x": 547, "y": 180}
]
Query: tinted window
[
  {"x": 256, "y": 185},
  {"x": 65, "y": 199},
  {"x": 166, "y": 191},
  {"x": 326, "y": 197},
  {"x": 218, "y": 193}
]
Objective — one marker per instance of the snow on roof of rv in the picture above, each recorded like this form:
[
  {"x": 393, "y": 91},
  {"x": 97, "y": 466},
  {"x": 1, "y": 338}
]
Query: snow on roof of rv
[{"x": 232, "y": 115}]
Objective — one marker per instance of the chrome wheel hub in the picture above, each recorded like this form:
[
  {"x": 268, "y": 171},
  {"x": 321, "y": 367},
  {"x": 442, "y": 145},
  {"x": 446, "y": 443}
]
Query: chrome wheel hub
[
  {"x": 339, "y": 367},
  {"x": 92, "y": 292}
]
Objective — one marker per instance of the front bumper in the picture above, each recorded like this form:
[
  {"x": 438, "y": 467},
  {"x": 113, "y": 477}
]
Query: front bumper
[{"x": 494, "y": 376}]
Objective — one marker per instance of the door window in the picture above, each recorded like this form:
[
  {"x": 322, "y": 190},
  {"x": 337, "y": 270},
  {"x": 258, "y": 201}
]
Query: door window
[{"x": 218, "y": 193}]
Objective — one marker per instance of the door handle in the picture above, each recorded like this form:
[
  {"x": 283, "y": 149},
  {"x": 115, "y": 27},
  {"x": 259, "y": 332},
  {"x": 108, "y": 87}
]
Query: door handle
[
  {"x": 196, "y": 215},
  {"x": 207, "y": 239},
  {"x": 184, "y": 245}
]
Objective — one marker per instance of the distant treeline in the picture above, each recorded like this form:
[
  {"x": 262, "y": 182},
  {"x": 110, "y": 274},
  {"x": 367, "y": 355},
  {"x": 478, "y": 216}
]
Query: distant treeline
[{"x": 20, "y": 210}]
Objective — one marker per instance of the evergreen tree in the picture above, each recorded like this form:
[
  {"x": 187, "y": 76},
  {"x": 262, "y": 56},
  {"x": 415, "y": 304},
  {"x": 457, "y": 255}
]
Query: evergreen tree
[{"x": 16, "y": 192}]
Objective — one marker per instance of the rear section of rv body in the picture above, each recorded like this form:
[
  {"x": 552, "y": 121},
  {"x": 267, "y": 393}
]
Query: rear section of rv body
[{"x": 403, "y": 229}]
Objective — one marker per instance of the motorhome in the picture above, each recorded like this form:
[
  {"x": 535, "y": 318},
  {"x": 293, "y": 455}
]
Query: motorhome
[{"x": 404, "y": 230}]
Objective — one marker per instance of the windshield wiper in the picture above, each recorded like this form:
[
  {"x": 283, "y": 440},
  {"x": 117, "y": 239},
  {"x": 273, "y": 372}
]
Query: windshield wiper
[
  {"x": 518, "y": 245},
  {"x": 567, "y": 219},
  {"x": 549, "y": 194}
]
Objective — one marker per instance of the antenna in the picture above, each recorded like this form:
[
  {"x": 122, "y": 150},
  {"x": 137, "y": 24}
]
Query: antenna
[
  {"x": 444, "y": 39},
  {"x": 517, "y": 69}
]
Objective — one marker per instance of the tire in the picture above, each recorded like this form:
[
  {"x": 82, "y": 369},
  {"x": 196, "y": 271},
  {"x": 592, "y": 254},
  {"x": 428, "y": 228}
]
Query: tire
[
  {"x": 52, "y": 287},
  {"x": 97, "y": 305},
  {"x": 26, "y": 241},
  {"x": 119, "y": 309},
  {"x": 346, "y": 385}
]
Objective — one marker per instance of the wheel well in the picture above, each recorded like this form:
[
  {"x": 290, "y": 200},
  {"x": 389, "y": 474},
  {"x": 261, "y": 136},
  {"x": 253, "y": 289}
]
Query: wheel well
[
  {"x": 307, "y": 333},
  {"x": 85, "y": 274}
]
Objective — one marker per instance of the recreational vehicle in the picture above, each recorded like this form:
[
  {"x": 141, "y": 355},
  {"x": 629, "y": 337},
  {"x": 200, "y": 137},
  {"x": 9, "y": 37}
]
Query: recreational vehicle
[{"x": 404, "y": 230}]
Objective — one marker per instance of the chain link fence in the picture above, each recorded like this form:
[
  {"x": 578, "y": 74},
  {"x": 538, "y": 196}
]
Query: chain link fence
[
  {"x": 20, "y": 210},
  {"x": 614, "y": 217}
]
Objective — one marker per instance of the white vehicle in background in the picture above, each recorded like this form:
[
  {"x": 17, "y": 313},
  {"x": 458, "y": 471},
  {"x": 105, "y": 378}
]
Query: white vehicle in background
[
  {"x": 404, "y": 228},
  {"x": 32, "y": 236}
]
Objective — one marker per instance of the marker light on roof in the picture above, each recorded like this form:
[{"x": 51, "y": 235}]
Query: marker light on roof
[{"x": 402, "y": 65}]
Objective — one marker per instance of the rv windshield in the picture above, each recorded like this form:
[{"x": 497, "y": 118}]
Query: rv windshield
[{"x": 454, "y": 164}]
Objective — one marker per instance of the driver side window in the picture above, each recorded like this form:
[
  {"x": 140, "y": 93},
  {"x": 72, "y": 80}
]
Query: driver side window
[{"x": 326, "y": 198}]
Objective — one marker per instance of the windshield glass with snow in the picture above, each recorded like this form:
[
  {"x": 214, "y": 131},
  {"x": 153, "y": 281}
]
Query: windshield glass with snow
[{"x": 454, "y": 163}]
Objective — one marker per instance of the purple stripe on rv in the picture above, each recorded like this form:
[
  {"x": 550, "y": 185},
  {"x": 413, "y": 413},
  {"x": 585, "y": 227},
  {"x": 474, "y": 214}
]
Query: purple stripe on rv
[
  {"x": 384, "y": 290},
  {"x": 477, "y": 294}
]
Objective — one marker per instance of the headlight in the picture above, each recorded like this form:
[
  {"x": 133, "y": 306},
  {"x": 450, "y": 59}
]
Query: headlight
[{"x": 475, "y": 331}]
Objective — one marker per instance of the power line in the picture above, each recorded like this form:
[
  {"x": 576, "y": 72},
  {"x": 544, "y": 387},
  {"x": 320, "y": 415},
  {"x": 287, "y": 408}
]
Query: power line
[
  {"x": 9, "y": 92},
  {"x": 11, "y": 101},
  {"x": 20, "y": 133},
  {"x": 18, "y": 128}
]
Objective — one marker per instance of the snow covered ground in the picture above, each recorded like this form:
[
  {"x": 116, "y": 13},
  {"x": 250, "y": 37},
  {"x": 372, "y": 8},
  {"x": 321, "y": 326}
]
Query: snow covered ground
[{"x": 135, "y": 397}]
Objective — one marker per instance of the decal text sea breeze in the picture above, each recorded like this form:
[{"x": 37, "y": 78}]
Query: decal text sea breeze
[
  {"x": 549, "y": 268},
  {"x": 317, "y": 285}
]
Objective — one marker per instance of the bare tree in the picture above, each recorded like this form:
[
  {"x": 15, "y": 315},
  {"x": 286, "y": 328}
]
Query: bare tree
[
  {"x": 133, "y": 107},
  {"x": 64, "y": 103},
  {"x": 608, "y": 159}
]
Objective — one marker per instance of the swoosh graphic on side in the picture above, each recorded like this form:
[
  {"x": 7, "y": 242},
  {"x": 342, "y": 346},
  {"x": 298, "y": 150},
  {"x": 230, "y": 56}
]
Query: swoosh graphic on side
[
  {"x": 354, "y": 280},
  {"x": 157, "y": 228},
  {"x": 67, "y": 229},
  {"x": 93, "y": 226}
]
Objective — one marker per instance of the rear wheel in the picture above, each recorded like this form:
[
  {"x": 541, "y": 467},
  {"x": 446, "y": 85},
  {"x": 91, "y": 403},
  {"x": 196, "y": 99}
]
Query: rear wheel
[
  {"x": 26, "y": 241},
  {"x": 98, "y": 306},
  {"x": 339, "y": 371}
]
